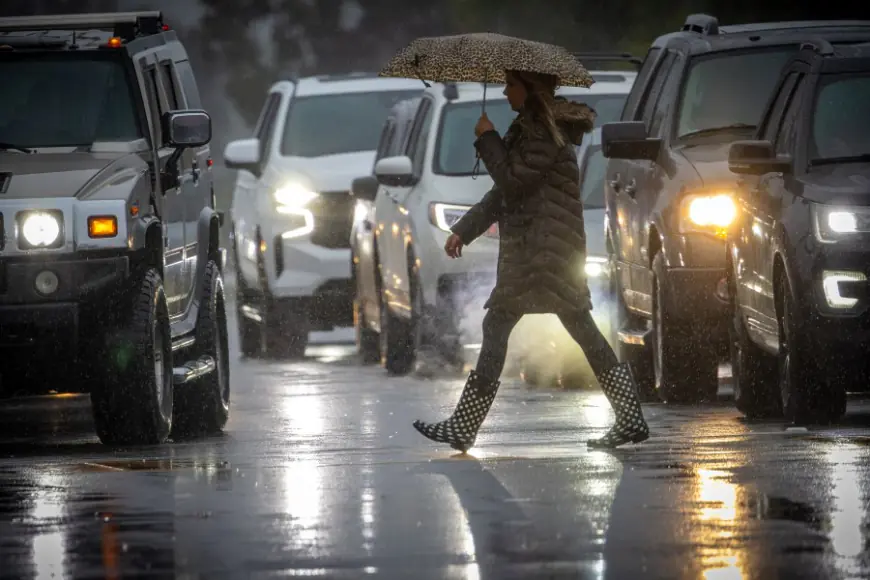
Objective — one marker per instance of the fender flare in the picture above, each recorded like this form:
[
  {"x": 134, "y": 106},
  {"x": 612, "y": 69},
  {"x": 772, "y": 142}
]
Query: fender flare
[
  {"x": 207, "y": 248},
  {"x": 140, "y": 232}
]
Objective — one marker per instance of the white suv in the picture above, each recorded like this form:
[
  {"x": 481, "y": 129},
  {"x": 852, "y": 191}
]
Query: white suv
[
  {"x": 292, "y": 211},
  {"x": 421, "y": 294}
]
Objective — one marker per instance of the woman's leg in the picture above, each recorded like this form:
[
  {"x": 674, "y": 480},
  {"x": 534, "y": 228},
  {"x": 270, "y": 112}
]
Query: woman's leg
[
  {"x": 460, "y": 430},
  {"x": 615, "y": 379}
]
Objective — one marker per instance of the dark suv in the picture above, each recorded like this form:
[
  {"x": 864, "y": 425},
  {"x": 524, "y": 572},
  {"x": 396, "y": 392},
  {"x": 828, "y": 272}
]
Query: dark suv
[
  {"x": 669, "y": 192},
  {"x": 798, "y": 255},
  {"x": 110, "y": 265}
]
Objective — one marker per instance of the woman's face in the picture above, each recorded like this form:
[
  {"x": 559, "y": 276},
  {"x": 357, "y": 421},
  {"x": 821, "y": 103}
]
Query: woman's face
[{"x": 515, "y": 91}]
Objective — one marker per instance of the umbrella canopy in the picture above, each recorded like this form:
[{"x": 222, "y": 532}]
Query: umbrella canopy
[{"x": 482, "y": 58}]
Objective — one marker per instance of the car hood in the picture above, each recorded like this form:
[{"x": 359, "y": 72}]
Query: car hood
[
  {"x": 329, "y": 172},
  {"x": 711, "y": 163},
  {"x": 845, "y": 183},
  {"x": 593, "y": 222},
  {"x": 42, "y": 175}
]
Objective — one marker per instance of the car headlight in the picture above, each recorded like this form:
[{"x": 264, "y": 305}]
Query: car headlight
[
  {"x": 596, "y": 267},
  {"x": 833, "y": 223},
  {"x": 445, "y": 215},
  {"x": 293, "y": 197},
  {"x": 40, "y": 229},
  {"x": 707, "y": 213},
  {"x": 831, "y": 285}
]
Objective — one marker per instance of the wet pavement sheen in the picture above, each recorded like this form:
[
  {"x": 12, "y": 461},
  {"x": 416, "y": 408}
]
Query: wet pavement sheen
[{"x": 321, "y": 474}]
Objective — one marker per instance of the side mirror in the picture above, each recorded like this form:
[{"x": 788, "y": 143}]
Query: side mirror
[
  {"x": 628, "y": 140},
  {"x": 365, "y": 188},
  {"x": 395, "y": 171},
  {"x": 756, "y": 158},
  {"x": 187, "y": 128},
  {"x": 243, "y": 154}
]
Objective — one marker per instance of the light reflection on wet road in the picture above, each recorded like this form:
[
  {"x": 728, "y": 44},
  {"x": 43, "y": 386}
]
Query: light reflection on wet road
[{"x": 321, "y": 474}]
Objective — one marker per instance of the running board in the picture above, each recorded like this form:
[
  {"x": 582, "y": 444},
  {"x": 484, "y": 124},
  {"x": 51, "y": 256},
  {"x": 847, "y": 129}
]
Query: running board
[
  {"x": 634, "y": 337},
  {"x": 192, "y": 370}
]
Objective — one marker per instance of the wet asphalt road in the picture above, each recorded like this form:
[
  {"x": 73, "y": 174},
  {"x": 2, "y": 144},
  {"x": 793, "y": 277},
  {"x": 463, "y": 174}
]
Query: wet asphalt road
[{"x": 320, "y": 474}]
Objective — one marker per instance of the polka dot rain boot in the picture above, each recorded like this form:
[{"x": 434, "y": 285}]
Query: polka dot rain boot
[{"x": 621, "y": 390}]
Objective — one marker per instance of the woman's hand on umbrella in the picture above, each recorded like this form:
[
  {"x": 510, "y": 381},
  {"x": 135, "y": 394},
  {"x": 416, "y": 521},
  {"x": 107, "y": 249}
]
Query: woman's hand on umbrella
[
  {"x": 453, "y": 247},
  {"x": 483, "y": 125}
]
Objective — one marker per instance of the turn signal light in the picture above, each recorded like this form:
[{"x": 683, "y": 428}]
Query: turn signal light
[
  {"x": 102, "y": 226},
  {"x": 114, "y": 42}
]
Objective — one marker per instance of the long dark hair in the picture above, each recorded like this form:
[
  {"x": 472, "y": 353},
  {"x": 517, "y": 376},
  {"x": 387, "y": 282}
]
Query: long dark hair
[{"x": 541, "y": 96}]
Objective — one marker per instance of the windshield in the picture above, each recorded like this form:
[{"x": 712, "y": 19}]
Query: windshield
[
  {"x": 726, "y": 89},
  {"x": 841, "y": 118},
  {"x": 64, "y": 101},
  {"x": 454, "y": 152},
  {"x": 338, "y": 123},
  {"x": 592, "y": 178}
]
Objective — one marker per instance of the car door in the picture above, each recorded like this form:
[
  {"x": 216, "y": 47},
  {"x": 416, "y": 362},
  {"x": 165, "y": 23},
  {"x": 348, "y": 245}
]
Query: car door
[
  {"x": 636, "y": 195},
  {"x": 394, "y": 223},
  {"x": 654, "y": 178},
  {"x": 196, "y": 192},
  {"x": 755, "y": 218},
  {"x": 367, "y": 266},
  {"x": 617, "y": 175},
  {"x": 771, "y": 190},
  {"x": 248, "y": 186},
  {"x": 172, "y": 200}
]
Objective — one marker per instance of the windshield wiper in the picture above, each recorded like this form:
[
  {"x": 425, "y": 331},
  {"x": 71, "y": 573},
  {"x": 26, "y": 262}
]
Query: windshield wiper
[
  {"x": 714, "y": 130},
  {"x": 14, "y": 147},
  {"x": 863, "y": 158}
]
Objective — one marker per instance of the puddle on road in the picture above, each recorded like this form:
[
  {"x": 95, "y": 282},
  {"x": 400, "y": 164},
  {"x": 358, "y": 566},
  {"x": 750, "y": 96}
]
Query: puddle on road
[{"x": 149, "y": 465}]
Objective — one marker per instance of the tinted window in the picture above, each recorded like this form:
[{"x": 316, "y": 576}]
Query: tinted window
[
  {"x": 338, "y": 123},
  {"x": 727, "y": 89},
  {"x": 841, "y": 117},
  {"x": 455, "y": 154},
  {"x": 592, "y": 178},
  {"x": 57, "y": 101},
  {"x": 188, "y": 83},
  {"x": 169, "y": 85},
  {"x": 641, "y": 80}
]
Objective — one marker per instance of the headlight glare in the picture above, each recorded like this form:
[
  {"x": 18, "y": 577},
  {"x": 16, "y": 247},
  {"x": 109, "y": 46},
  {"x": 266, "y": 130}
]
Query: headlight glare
[
  {"x": 41, "y": 229},
  {"x": 293, "y": 197},
  {"x": 445, "y": 215},
  {"x": 831, "y": 285},
  {"x": 833, "y": 224},
  {"x": 596, "y": 267}
]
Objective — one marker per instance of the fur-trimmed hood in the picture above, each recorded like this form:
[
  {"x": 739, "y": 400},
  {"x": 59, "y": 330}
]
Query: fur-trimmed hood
[{"x": 576, "y": 119}]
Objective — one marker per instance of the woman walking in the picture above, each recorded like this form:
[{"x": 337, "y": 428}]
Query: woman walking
[{"x": 536, "y": 201}]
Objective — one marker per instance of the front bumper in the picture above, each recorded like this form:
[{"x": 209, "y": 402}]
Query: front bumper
[{"x": 29, "y": 318}]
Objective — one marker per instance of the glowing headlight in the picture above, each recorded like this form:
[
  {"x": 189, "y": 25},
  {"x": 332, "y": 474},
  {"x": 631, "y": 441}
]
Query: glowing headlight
[
  {"x": 835, "y": 223},
  {"x": 445, "y": 215},
  {"x": 595, "y": 267},
  {"x": 293, "y": 197},
  {"x": 708, "y": 213},
  {"x": 40, "y": 229}
]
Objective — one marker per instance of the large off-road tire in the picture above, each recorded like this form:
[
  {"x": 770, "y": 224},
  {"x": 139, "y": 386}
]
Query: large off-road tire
[
  {"x": 753, "y": 373},
  {"x": 400, "y": 338},
  {"x": 806, "y": 398},
  {"x": 686, "y": 367},
  {"x": 132, "y": 402},
  {"x": 250, "y": 336},
  {"x": 202, "y": 407},
  {"x": 367, "y": 340}
]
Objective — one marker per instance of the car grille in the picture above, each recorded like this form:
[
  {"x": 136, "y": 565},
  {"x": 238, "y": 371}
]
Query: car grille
[{"x": 333, "y": 219}]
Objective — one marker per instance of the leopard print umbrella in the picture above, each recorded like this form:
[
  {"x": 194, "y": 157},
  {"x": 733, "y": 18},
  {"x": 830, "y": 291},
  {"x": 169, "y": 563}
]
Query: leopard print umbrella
[{"x": 483, "y": 58}]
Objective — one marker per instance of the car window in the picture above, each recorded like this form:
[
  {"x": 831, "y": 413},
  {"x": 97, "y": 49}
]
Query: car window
[
  {"x": 167, "y": 76},
  {"x": 266, "y": 124},
  {"x": 785, "y": 138},
  {"x": 667, "y": 95},
  {"x": 416, "y": 148},
  {"x": 454, "y": 146},
  {"x": 841, "y": 117},
  {"x": 727, "y": 88},
  {"x": 337, "y": 123},
  {"x": 387, "y": 138},
  {"x": 631, "y": 103},
  {"x": 651, "y": 99},
  {"x": 62, "y": 101},
  {"x": 188, "y": 83},
  {"x": 592, "y": 178},
  {"x": 778, "y": 109}
]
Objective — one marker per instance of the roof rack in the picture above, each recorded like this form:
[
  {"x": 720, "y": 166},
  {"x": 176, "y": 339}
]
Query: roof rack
[
  {"x": 818, "y": 45},
  {"x": 124, "y": 24},
  {"x": 609, "y": 57},
  {"x": 702, "y": 24}
]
